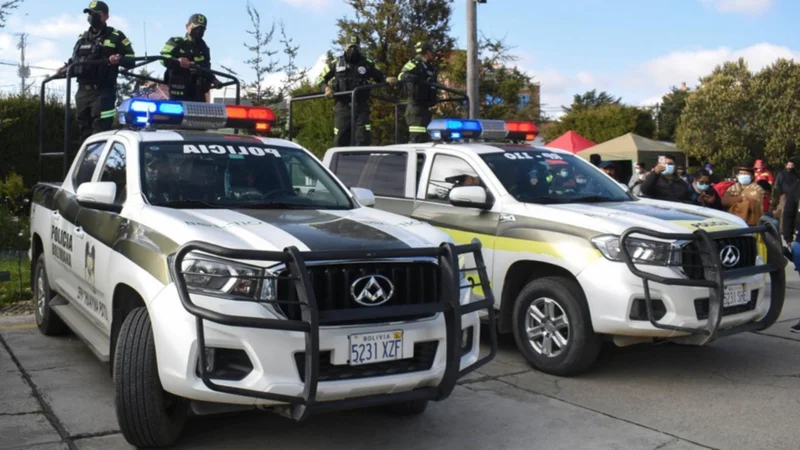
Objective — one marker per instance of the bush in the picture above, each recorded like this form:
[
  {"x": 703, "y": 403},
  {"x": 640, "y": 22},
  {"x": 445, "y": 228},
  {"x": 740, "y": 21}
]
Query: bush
[{"x": 19, "y": 137}]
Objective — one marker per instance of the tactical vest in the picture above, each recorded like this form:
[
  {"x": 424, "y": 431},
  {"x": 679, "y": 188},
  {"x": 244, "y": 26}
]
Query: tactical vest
[
  {"x": 422, "y": 93},
  {"x": 90, "y": 48},
  {"x": 188, "y": 84},
  {"x": 349, "y": 76}
]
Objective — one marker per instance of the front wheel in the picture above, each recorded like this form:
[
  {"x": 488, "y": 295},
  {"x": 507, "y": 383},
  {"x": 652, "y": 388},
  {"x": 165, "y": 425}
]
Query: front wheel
[
  {"x": 148, "y": 416},
  {"x": 552, "y": 327}
]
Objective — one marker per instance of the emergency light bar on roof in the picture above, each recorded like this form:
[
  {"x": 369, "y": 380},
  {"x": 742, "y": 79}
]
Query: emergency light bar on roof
[
  {"x": 194, "y": 115},
  {"x": 448, "y": 130}
]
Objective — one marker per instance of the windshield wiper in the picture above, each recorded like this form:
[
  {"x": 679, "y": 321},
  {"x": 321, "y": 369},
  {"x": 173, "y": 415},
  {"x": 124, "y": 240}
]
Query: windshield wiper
[
  {"x": 594, "y": 199},
  {"x": 272, "y": 205},
  {"x": 565, "y": 200},
  {"x": 188, "y": 204}
]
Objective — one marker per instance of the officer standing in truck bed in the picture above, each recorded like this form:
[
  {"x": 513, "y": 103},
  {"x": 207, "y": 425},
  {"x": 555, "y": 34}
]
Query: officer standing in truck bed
[
  {"x": 97, "y": 83},
  {"x": 419, "y": 76},
  {"x": 185, "y": 55}
]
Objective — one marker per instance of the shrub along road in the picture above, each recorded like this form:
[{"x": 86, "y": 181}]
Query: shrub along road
[{"x": 738, "y": 393}]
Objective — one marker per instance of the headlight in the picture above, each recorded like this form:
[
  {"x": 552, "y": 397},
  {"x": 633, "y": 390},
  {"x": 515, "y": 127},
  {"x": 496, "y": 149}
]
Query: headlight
[
  {"x": 643, "y": 251},
  {"x": 220, "y": 277}
]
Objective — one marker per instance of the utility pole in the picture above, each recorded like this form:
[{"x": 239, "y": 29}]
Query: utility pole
[
  {"x": 24, "y": 70},
  {"x": 472, "y": 57}
]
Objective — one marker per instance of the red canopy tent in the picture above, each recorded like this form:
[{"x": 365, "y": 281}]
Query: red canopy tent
[{"x": 572, "y": 142}]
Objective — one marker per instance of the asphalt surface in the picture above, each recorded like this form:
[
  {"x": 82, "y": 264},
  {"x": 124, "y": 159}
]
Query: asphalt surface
[{"x": 741, "y": 392}]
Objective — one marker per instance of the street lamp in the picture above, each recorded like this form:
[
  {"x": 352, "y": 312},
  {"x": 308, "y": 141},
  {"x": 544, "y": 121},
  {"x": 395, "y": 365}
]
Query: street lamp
[{"x": 472, "y": 57}]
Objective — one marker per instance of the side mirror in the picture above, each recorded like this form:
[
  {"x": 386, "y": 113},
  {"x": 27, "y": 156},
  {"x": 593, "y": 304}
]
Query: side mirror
[
  {"x": 470, "y": 197},
  {"x": 364, "y": 196},
  {"x": 98, "y": 195}
]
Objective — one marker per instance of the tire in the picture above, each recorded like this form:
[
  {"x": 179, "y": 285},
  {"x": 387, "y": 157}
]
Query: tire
[
  {"x": 412, "y": 408},
  {"x": 578, "y": 347},
  {"x": 48, "y": 322},
  {"x": 148, "y": 416}
]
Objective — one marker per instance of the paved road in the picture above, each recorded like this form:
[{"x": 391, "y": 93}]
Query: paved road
[{"x": 741, "y": 392}]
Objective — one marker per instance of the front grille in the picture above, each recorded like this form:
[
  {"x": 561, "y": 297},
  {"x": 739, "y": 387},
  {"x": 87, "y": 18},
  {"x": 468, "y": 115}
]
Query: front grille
[
  {"x": 701, "y": 307},
  {"x": 424, "y": 354},
  {"x": 415, "y": 283},
  {"x": 693, "y": 264}
]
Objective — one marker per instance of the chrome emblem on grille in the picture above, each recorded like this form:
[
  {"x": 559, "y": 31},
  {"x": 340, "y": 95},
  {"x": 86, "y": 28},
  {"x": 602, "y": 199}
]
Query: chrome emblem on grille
[
  {"x": 729, "y": 256},
  {"x": 372, "y": 290}
]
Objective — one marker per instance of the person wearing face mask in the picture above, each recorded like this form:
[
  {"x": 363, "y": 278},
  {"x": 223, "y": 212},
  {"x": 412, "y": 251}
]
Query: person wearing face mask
[
  {"x": 637, "y": 178},
  {"x": 419, "y": 77},
  {"x": 349, "y": 71},
  {"x": 702, "y": 192},
  {"x": 97, "y": 83},
  {"x": 783, "y": 185},
  {"x": 184, "y": 55},
  {"x": 745, "y": 198},
  {"x": 662, "y": 183}
]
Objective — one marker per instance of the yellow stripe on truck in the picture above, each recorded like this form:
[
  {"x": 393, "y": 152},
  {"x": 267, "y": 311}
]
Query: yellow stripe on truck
[{"x": 563, "y": 250}]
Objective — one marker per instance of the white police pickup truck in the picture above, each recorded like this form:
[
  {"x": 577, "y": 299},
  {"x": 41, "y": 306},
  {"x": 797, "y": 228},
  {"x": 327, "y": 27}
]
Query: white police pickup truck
[
  {"x": 575, "y": 259},
  {"x": 189, "y": 261}
]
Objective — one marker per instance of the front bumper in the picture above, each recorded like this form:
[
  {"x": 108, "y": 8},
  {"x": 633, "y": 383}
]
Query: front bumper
[
  {"x": 287, "y": 355},
  {"x": 715, "y": 278}
]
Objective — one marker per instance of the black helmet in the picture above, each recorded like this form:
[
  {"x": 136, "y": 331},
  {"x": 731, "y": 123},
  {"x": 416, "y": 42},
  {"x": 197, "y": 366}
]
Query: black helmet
[{"x": 422, "y": 47}]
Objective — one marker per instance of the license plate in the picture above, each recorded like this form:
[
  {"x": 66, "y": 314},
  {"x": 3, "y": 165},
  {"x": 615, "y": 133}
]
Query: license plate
[
  {"x": 370, "y": 348},
  {"x": 735, "y": 295}
]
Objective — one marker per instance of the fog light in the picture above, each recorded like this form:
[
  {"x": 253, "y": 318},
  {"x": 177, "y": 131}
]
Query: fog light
[
  {"x": 466, "y": 340},
  {"x": 210, "y": 360}
]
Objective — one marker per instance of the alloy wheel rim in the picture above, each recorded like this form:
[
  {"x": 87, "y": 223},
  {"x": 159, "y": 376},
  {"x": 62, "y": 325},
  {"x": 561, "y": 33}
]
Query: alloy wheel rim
[
  {"x": 40, "y": 296},
  {"x": 547, "y": 327}
]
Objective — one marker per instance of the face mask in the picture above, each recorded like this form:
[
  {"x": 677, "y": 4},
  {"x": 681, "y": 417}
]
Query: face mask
[
  {"x": 95, "y": 20},
  {"x": 564, "y": 174},
  {"x": 669, "y": 169},
  {"x": 790, "y": 169},
  {"x": 197, "y": 33},
  {"x": 744, "y": 179},
  {"x": 581, "y": 180},
  {"x": 352, "y": 54},
  {"x": 702, "y": 186}
]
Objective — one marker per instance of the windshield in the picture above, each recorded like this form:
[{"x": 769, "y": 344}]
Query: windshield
[
  {"x": 539, "y": 176},
  {"x": 223, "y": 173}
]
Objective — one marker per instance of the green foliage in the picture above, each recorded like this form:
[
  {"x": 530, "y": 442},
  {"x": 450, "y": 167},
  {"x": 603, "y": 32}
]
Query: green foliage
[
  {"x": 591, "y": 99},
  {"x": 718, "y": 123},
  {"x": 669, "y": 113},
  {"x": 312, "y": 121},
  {"x": 19, "y": 286},
  {"x": 776, "y": 90},
  {"x": 603, "y": 123},
  {"x": 388, "y": 32},
  {"x": 19, "y": 134}
]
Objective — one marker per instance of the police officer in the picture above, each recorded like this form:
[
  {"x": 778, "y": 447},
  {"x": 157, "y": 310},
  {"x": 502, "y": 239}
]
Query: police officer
[
  {"x": 419, "y": 76},
  {"x": 184, "y": 80},
  {"x": 350, "y": 70},
  {"x": 97, "y": 83}
]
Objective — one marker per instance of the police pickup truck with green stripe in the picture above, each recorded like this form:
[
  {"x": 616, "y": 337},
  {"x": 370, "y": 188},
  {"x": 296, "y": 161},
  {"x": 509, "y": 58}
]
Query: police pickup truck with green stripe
[
  {"x": 193, "y": 264},
  {"x": 573, "y": 257}
]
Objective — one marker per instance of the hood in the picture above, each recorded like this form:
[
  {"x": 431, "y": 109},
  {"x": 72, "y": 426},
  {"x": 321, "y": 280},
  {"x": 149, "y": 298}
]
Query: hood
[
  {"x": 668, "y": 217},
  {"x": 308, "y": 230}
]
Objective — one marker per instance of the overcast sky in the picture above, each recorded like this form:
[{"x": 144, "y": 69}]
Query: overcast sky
[{"x": 635, "y": 49}]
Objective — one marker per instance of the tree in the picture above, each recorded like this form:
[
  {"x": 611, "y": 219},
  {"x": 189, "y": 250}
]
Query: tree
[
  {"x": 591, "y": 99},
  {"x": 262, "y": 61},
  {"x": 603, "y": 123},
  {"x": 717, "y": 124},
  {"x": 501, "y": 83},
  {"x": 669, "y": 112},
  {"x": 388, "y": 30},
  {"x": 5, "y": 10},
  {"x": 776, "y": 90}
]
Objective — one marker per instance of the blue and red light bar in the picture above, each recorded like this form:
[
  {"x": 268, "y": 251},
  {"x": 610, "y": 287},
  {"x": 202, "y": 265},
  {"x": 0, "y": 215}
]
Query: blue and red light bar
[
  {"x": 448, "y": 130},
  {"x": 194, "y": 115}
]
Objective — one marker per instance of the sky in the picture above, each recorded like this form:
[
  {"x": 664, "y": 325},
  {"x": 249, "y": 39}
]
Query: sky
[{"x": 634, "y": 49}]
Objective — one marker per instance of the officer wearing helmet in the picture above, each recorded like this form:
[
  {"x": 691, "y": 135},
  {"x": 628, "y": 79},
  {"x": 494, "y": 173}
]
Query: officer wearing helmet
[
  {"x": 185, "y": 54},
  {"x": 97, "y": 83},
  {"x": 348, "y": 71},
  {"x": 419, "y": 77}
]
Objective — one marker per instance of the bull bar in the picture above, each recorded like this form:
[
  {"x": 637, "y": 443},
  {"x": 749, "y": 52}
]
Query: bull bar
[
  {"x": 295, "y": 261},
  {"x": 714, "y": 276}
]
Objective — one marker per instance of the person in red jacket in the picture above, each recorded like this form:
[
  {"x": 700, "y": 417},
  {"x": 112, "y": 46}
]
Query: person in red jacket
[{"x": 762, "y": 173}]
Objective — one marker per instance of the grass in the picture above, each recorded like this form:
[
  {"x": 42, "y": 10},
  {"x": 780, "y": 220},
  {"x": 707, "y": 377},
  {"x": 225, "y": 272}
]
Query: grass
[{"x": 13, "y": 291}]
